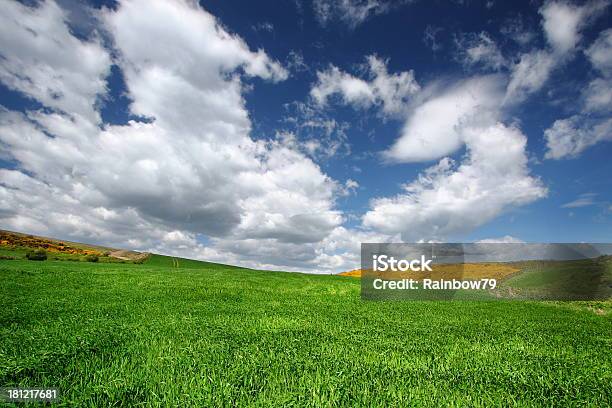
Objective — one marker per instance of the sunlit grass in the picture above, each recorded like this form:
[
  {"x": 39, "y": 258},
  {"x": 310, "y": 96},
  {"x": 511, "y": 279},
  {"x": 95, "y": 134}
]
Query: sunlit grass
[{"x": 212, "y": 335}]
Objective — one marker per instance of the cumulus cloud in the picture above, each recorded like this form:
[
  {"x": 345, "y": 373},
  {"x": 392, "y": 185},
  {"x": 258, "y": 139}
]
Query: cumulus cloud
[
  {"x": 450, "y": 198},
  {"x": 597, "y": 95},
  {"x": 389, "y": 92},
  {"x": 529, "y": 74},
  {"x": 562, "y": 23},
  {"x": 600, "y": 53},
  {"x": 342, "y": 248},
  {"x": 352, "y": 90},
  {"x": 434, "y": 128},
  {"x": 454, "y": 197},
  {"x": 339, "y": 251},
  {"x": 190, "y": 169},
  {"x": 569, "y": 137},
  {"x": 56, "y": 68},
  {"x": 187, "y": 178}
]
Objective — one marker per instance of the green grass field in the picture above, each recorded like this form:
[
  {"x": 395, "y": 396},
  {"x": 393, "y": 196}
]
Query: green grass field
[{"x": 110, "y": 334}]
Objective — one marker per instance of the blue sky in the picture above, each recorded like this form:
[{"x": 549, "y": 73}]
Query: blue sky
[{"x": 281, "y": 134}]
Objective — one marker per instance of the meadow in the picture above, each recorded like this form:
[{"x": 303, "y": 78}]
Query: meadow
[{"x": 173, "y": 332}]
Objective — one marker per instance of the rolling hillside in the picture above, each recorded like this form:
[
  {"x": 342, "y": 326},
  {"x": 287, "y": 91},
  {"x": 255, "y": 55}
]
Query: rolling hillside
[{"x": 162, "y": 333}]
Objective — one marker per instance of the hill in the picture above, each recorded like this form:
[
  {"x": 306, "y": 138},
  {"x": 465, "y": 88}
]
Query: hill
[
  {"x": 15, "y": 245},
  {"x": 158, "y": 333}
]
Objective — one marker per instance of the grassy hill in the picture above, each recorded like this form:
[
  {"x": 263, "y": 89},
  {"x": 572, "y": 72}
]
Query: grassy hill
[
  {"x": 577, "y": 279},
  {"x": 205, "y": 334},
  {"x": 15, "y": 245}
]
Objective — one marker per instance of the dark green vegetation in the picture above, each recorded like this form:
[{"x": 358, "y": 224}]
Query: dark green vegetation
[
  {"x": 37, "y": 255},
  {"x": 576, "y": 279},
  {"x": 174, "y": 332},
  {"x": 581, "y": 279}
]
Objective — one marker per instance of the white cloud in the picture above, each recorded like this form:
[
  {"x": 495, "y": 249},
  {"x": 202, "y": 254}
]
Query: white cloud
[
  {"x": 598, "y": 95},
  {"x": 389, "y": 92},
  {"x": 449, "y": 199},
  {"x": 393, "y": 91},
  {"x": 339, "y": 251},
  {"x": 56, "y": 68},
  {"x": 343, "y": 246},
  {"x": 350, "y": 187},
  {"x": 434, "y": 129},
  {"x": 192, "y": 169},
  {"x": 600, "y": 53},
  {"x": 530, "y": 74},
  {"x": 351, "y": 12},
  {"x": 506, "y": 239},
  {"x": 352, "y": 184},
  {"x": 479, "y": 49},
  {"x": 354, "y": 91},
  {"x": 562, "y": 23},
  {"x": 191, "y": 180},
  {"x": 584, "y": 200},
  {"x": 567, "y": 138}
]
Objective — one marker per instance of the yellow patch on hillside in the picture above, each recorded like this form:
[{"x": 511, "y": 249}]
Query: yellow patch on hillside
[
  {"x": 12, "y": 239},
  {"x": 491, "y": 270},
  {"x": 355, "y": 273}
]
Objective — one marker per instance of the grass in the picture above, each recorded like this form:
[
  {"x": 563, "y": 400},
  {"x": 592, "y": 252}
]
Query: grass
[
  {"x": 576, "y": 278},
  {"x": 204, "y": 334}
]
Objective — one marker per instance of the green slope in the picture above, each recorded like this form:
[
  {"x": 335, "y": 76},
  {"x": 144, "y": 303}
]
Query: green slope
[
  {"x": 182, "y": 263},
  {"x": 212, "y": 335},
  {"x": 568, "y": 279}
]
